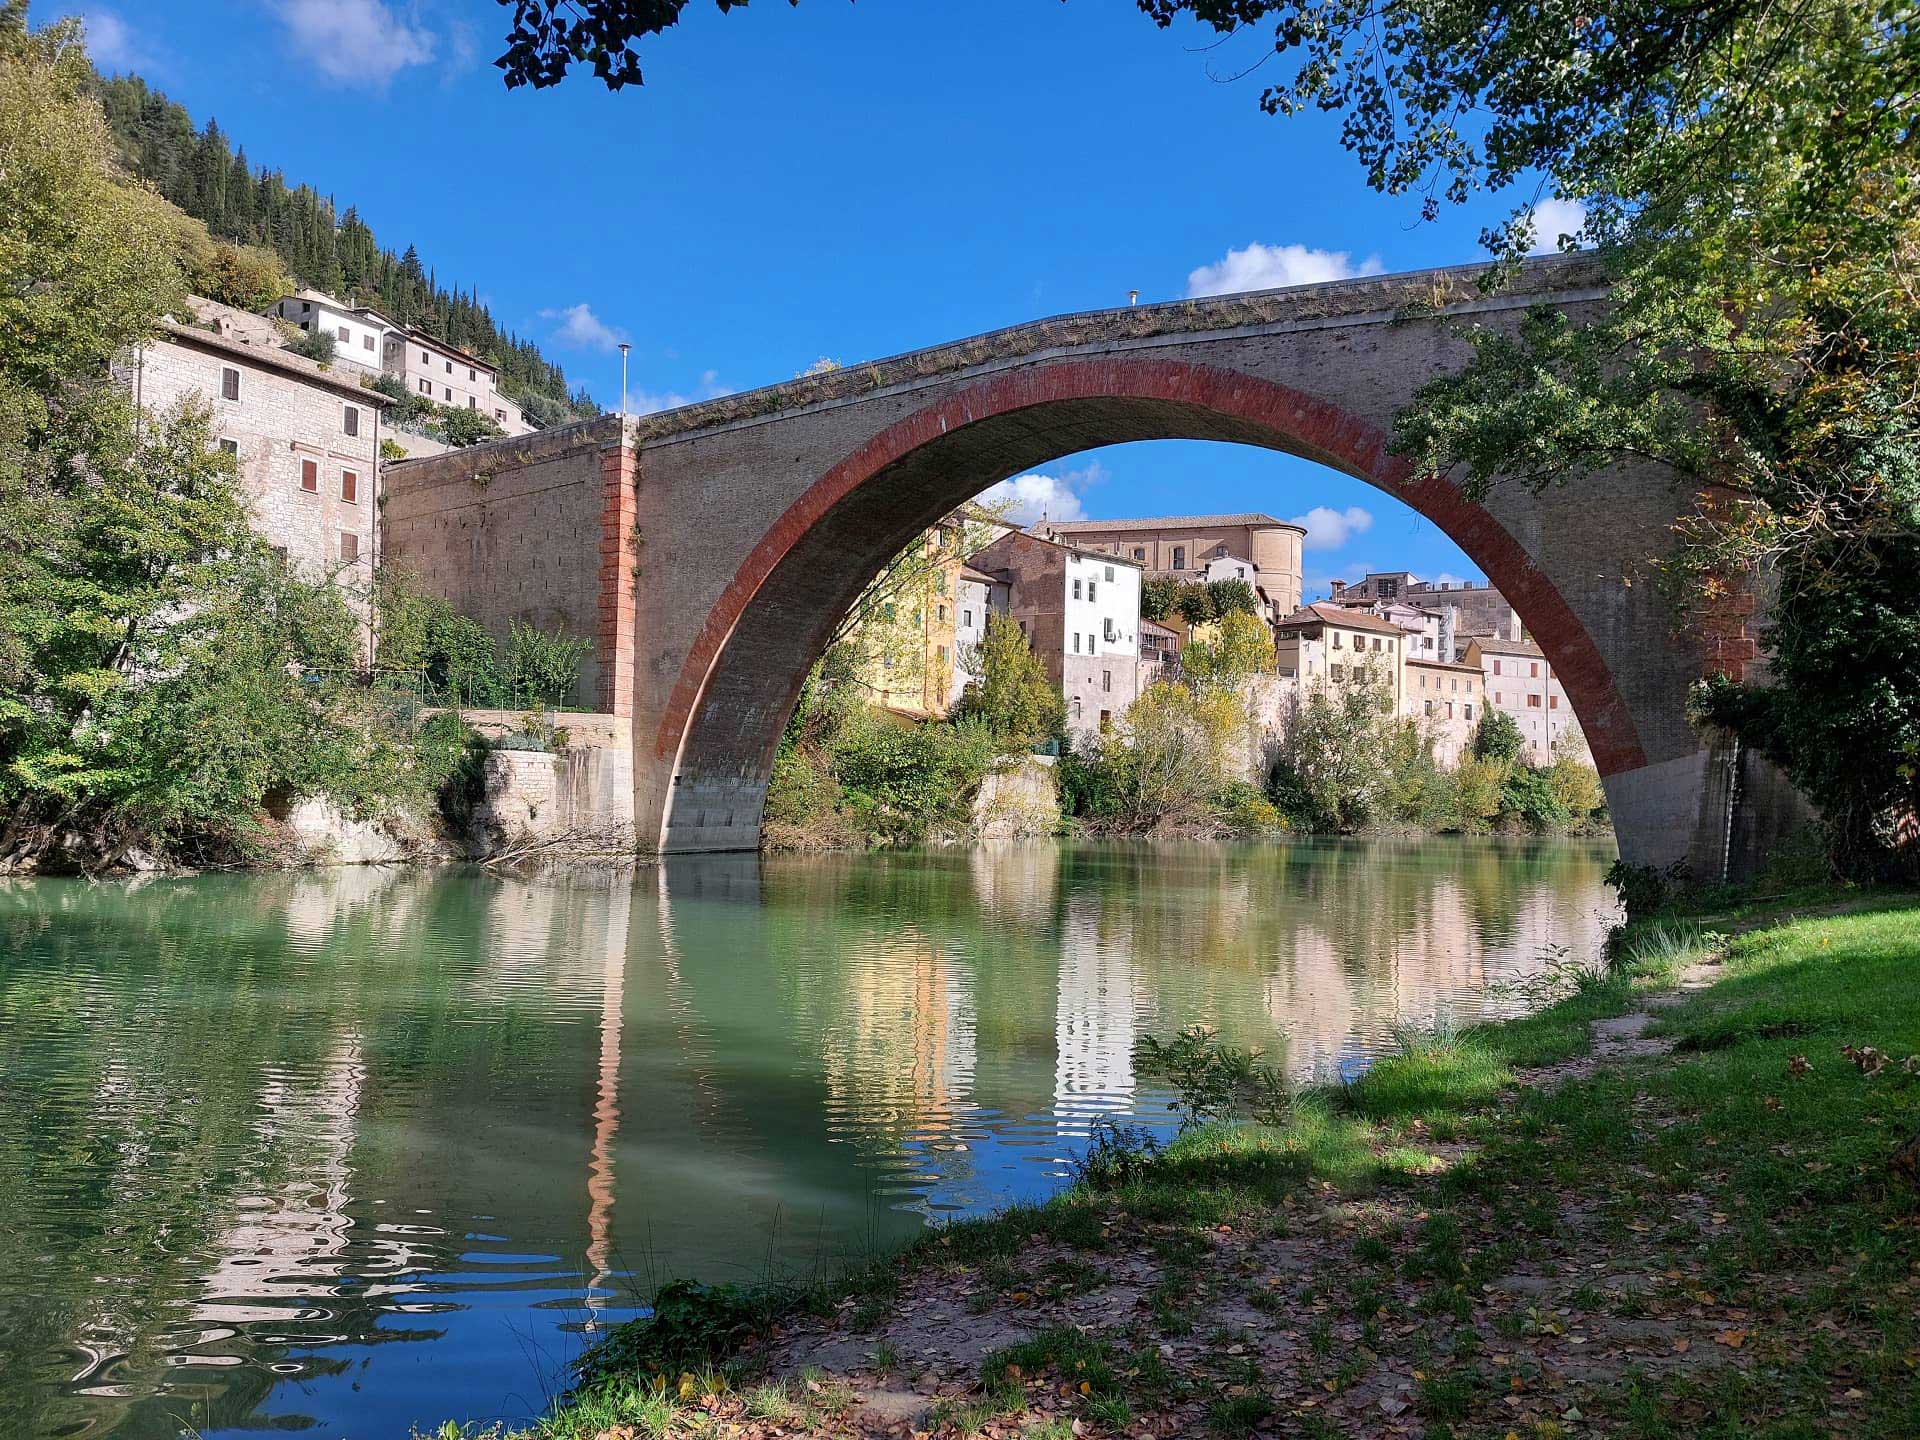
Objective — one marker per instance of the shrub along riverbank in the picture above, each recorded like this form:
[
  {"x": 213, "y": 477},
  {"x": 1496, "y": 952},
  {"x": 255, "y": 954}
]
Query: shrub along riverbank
[{"x": 1683, "y": 1199}]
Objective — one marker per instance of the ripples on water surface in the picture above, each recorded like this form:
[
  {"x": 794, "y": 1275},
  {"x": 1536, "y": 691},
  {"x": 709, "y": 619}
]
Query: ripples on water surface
[{"x": 358, "y": 1150}]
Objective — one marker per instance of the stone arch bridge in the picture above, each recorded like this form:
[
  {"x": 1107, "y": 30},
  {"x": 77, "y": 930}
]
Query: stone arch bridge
[{"x": 710, "y": 550}]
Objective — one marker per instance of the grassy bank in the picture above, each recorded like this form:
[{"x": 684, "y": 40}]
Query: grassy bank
[{"x": 1683, "y": 1200}]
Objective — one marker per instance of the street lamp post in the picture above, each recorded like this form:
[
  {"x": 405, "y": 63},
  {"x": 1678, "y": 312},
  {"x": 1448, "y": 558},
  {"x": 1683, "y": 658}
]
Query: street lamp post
[{"x": 624, "y": 348}]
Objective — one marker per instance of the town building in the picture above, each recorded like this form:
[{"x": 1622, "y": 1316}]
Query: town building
[
  {"x": 1447, "y": 699},
  {"x": 359, "y": 335},
  {"x": 976, "y": 596},
  {"x": 1159, "y": 652},
  {"x": 306, "y": 439},
  {"x": 909, "y": 631},
  {"x": 1183, "y": 546},
  {"x": 373, "y": 343},
  {"x": 448, "y": 375},
  {"x": 1080, "y": 610},
  {"x": 1482, "y": 610},
  {"x": 1519, "y": 679},
  {"x": 1329, "y": 644}
]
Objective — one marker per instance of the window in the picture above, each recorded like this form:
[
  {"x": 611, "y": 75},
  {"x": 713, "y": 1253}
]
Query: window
[
  {"x": 1498, "y": 698},
  {"x": 449, "y": 365},
  {"x": 425, "y": 359},
  {"x": 1339, "y": 673},
  {"x": 1075, "y": 708},
  {"x": 426, "y": 387},
  {"x": 940, "y": 653},
  {"x": 1533, "y": 702},
  {"x": 472, "y": 404},
  {"x": 231, "y": 446},
  {"x": 1076, "y": 642},
  {"x": 1107, "y": 628},
  {"x": 1106, "y": 721},
  {"x": 1496, "y": 667},
  {"x": 1536, "y": 670},
  {"x": 1466, "y": 711},
  {"x": 1090, "y": 588},
  {"x": 352, "y": 419},
  {"x": 470, "y": 374},
  {"x": 366, "y": 342},
  {"x": 1179, "y": 557},
  {"x": 448, "y": 389},
  {"x": 310, "y": 476},
  {"x": 1109, "y": 570},
  {"x": 966, "y": 618},
  {"x": 501, "y": 416},
  {"x": 1453, "y": 685},
  {"x": 340, "y": 334},
  {"x": 1376, "y": 644},
  {"x": 1219, "y": 552},
  {"x": 1139, "y": 552},
  {"x": 1335, "y": 642},
  {"x": 1076, "y": 589},
  {"x": 1429, "y": 705},
  {"x": 1553, "y": 702},
  {"x": 350, "y": 486},
  {"x": 940, "y": 586},
  {"x": 229, "y": 383},
  {"x": 1106, "y": 681},
  {"x": 306, "y": 307},
  {"x": 349, "y": 546}
]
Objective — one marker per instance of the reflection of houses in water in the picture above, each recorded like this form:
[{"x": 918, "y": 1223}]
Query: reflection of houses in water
[
  {"x": 292, "y": 1243},
  {"x": 1017, "y": 881},
  {"x": 1312, "y": 1003},
  {"x": 316, "y": 903},
  {"x": 901, "y": 1061},
  {"x": 606, "y": 1104},
  {"x": 1096, "y": 1016}
]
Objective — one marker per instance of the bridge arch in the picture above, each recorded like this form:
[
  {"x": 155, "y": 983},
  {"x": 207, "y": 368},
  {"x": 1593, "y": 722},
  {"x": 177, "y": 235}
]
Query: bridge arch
[
  {"x": 711, "y": 549},
  {"x": 739, "y": 682}
]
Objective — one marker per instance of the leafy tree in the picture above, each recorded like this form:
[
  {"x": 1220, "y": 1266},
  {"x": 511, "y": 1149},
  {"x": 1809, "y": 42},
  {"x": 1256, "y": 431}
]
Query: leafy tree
[
  {"x": 1576, "y": 787},
  {"x": 1194, "y": 604},
  {"x": 1333, "y": 770},
  {"x": 1497, "y": 737},
  {"x": 1168, "y": 764},
  {"x": 1230, "y": 596},
  {"x": 1158, "y": 596},
  {"x": 1241, "y": 648},
  {"x": 461, "y": 427},
  {"x": 316, "y": 345},
  {"x": 1012, "y": 698},
  {"x": 543, "y": 668}
]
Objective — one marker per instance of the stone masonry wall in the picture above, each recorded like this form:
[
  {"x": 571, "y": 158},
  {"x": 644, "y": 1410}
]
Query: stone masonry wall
[{"x": 279, "y": 420}]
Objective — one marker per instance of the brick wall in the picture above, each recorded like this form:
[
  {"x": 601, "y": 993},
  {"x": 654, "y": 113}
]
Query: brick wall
[{"x": 540, "y": 531}]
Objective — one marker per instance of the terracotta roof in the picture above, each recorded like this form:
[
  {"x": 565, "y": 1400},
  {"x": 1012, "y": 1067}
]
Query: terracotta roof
[
  {"x": 448, "y": 348},
  {"x": 1166, "y": 522},
  {"x": 1444, "y": 665},
  {"x": 1154, "y": 627},
  {"x": 1326, "y": 614},
  {"x": 1494, "y": 645},
  {"x": 967, "y": 572},
  {"x": 275, "y": 357}
]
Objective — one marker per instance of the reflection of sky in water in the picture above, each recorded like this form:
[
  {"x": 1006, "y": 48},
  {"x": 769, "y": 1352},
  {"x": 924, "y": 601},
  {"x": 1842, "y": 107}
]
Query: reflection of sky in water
[{"x": 362, "y": 1151}]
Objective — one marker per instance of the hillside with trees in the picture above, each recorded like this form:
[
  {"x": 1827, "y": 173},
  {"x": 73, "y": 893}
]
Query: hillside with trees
[{"x": 207, "y": 176}]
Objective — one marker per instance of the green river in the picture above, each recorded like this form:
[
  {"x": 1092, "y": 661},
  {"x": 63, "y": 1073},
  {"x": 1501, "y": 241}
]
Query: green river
[{"x": 354, "y": 1151}]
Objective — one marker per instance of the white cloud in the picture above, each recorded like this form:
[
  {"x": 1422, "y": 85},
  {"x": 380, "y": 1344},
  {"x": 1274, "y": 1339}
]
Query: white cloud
[
  {"x": 581, "y": 329},
  {"x": 1329, "y": 529},
  {"x": 1553, "y": 218},
  {"x": 648, "y": 402},
  {"x": 355, "y": 42},
  {"x": 111, "y": 43},
  {"x": 1447, "y": 577},
  {"x": 1271, "y": 267},
  {"x": 1033, "y": 496},
  {"x": 1317, "y": 585}
]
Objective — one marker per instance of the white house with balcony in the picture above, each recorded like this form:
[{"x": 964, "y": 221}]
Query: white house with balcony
[{"x": 359, "y": 335}]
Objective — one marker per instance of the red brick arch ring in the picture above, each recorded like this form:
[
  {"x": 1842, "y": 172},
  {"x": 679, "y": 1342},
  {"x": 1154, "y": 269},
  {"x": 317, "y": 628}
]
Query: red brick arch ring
[{"x": 742, "y": 675}]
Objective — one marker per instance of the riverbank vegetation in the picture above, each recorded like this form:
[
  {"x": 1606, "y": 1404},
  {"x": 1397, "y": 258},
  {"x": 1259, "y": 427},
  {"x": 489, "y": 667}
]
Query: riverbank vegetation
[
  {"x": 1682, "y": 1199},
  {"x": 167, "y": 682}
]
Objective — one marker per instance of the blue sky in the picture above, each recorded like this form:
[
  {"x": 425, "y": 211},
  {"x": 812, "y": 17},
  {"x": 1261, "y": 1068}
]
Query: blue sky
[{"x": 833, "y": 180}]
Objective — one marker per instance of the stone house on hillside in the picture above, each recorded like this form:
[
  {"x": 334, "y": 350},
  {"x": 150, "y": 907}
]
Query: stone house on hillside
[
  {"x": 306, "y": 439},
  {"x": 1325, "y": 644},
  {"x": 1447, "y": 700},
  {"x": 1182, "y": 547}
]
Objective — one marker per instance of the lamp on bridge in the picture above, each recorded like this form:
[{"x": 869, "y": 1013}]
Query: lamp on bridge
[{"x": 624, "y": 348}]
